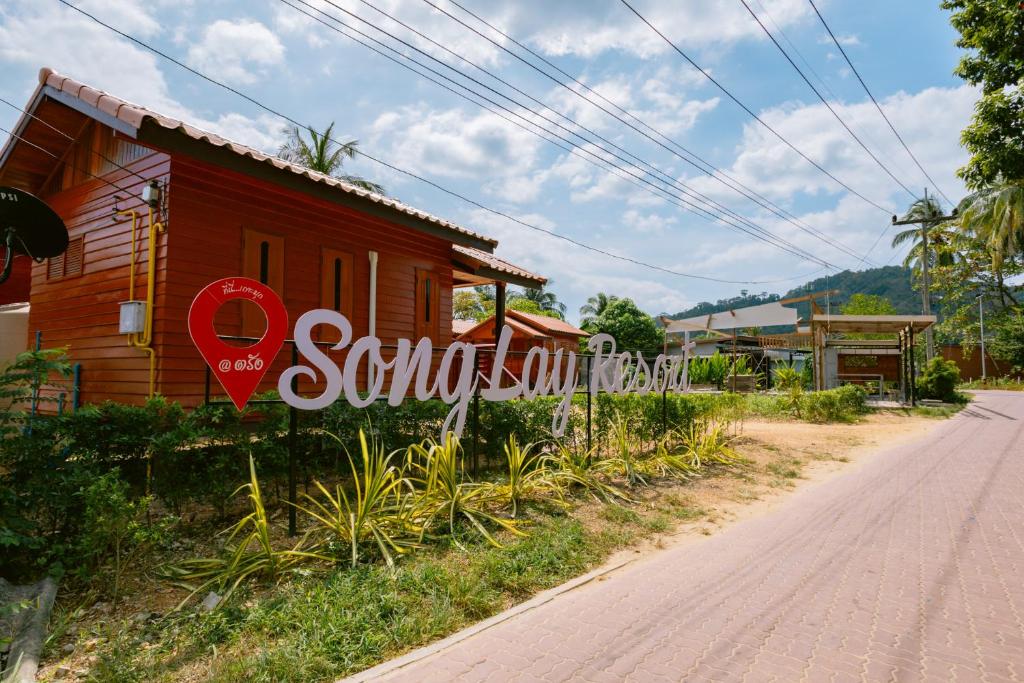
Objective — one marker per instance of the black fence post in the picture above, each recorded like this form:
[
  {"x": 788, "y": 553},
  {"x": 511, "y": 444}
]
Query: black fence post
[
  {"x": 293, "y": 429},
  {"x": 476, "y": 415},
  {"x": 590, "y": 436},
  {"x": 664, "y": 410},
  {"x": 206, "y": 384}
]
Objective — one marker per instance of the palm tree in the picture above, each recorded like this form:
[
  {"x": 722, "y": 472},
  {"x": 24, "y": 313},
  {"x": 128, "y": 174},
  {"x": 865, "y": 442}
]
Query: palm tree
[
  {"x": 544, "y": 298},
  {"x": 927, "y": 213},
  {"x": 996, "y": 215},
  {"x": 321, "y": 153},
  {"x": 594, "y": 307}
]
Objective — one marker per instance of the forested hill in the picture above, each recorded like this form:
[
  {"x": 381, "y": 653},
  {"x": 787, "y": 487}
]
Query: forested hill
[{"x": 892, "y": 282}]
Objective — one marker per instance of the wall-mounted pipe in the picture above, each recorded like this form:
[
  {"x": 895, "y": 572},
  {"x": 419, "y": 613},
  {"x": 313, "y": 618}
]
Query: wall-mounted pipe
[
  {"x": 373, "y": 311},
  {"x": 143, "y": 341}
]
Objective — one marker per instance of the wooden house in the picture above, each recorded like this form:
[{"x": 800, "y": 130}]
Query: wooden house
[
  {"x": 529, "y": 330},
  {"x": 214, "y": 209}
]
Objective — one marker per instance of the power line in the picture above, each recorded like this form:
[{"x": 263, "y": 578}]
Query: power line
[
  {"x": 408, "y": 173},
  {"x": 702, "y": 165},
  {"x": 764, "y": 235},
  {"x": 69, "y": 162},
  {"x": 98, "y": 153},
  {"x": 751, "y": 113},
  {"x": 824, "y": 101},
  {"x": 822, "y": 82},
  {"x": 877, "y": 105}
]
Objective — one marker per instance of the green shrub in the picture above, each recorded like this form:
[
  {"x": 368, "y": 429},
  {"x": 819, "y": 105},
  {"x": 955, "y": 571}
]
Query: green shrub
[
  {"x": 834, "y": 405},
  {"x": 938, "y": 381}
]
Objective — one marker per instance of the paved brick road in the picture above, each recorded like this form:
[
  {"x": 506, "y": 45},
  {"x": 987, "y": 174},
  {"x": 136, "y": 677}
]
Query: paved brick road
[{"x": 908, "y": 568}]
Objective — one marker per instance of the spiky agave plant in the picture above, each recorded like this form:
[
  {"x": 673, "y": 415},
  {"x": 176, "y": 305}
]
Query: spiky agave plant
[
  {"x": 377, "y": 512},
  {"x": 528, "y": 474},
  {"x": 707, "y": 442},
  {"x": 578, "y": 468},
  {"x": 668, "y": 463},
  {"x": 623, "y": 457},
  {"x": 249, "y": 552},
  {"x": 443, "y": 492}
]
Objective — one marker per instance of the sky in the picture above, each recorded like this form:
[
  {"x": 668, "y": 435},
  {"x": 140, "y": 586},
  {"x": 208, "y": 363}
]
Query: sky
[{"x": 312, "y": 73}]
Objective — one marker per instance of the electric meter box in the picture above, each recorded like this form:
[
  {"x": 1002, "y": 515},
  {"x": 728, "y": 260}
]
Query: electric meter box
[{"x": 133, "y": 317}]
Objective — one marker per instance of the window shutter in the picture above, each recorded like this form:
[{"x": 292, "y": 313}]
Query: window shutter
[
  {"x": 69, "y": 263},
  {"x": 73, "y": 257},
  {"x": 55, "y": 267}
]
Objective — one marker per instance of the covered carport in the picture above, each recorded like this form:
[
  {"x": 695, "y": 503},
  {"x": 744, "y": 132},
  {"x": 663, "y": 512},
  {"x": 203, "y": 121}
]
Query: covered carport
[{"x": 890, "y": 334}]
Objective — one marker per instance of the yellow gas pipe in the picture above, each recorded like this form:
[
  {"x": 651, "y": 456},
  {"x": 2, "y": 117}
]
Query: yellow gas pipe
[{"x": 144, "y": 341}]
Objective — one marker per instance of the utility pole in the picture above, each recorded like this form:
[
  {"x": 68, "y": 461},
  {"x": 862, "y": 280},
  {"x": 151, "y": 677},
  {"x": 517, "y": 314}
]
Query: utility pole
[{"x": 926, "y": 299}]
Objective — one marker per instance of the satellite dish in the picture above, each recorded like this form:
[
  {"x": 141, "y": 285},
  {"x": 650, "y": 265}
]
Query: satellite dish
[{"x": 28, "y": 226}]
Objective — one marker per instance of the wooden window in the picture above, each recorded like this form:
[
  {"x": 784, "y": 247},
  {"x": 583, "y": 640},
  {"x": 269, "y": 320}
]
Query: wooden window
[
  {"x": 862, "y": 361},
  {"x": 428, "y": 303},
  {"x": 263, "y": 260},
  {"x": 336, "y": 271},
  {"x": 68, "y": 264}
]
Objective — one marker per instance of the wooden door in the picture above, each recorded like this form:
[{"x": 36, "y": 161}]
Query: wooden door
[
  {"x": 428, "y": 303},
  {"x": 263, "y": 260},
  {"x": 336, "y": 281}
]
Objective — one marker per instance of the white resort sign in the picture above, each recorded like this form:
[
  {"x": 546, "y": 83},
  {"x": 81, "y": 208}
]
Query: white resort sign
[{"x": 410, "y": 368}]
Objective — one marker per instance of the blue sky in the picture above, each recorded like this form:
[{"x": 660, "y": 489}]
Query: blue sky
[{"x": 904, "y": 50}]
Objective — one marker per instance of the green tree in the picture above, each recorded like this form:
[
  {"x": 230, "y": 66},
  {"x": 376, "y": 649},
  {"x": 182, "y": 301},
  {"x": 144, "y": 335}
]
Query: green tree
[
  {"x": 543, "y": 297},
  {"x": 992, "y": 33},
  {"x": 1008, "y": 342},
  {"x": 322, "y": 154},
  {"x": 466, "y": 305},
  {"x": 632, "y": 329},
  {"x": 868, "y": 304},
  {"x": 594, "y": 307},
  {"x": 961, "y": 281},
  {"x": 996, "y": 215},
  {"x": 931, "y": 239}
]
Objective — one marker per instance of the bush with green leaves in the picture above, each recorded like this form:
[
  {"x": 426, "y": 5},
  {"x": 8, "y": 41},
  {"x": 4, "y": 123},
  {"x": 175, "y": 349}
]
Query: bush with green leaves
[
  {"x": 938, "y": 380},
  {"x": 834, "y": 405},
  {"x": 114, "y": 531}
]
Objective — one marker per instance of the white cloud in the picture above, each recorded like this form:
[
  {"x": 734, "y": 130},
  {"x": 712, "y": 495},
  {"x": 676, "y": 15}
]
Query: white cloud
[
  {"x": 848, "y": 40},
  {"x": 236, "y": 51},
  {"x": 111, "y": 63},
  {"x": 929, "y": 121},
  {"x": 582, "y": 29},
  {"x": 454, "y": 143},
  {"x": 650, "y": 223}
]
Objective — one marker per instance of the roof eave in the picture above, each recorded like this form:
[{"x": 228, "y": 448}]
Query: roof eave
[
  {"x": 169, "y": 139},
  {"x": 19, "y": 127}
]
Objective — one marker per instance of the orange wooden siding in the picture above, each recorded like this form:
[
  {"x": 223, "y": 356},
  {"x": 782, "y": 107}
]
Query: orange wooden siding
[
  {"x": 210, "y": 210},
  {"x": 81, "y": 311}
]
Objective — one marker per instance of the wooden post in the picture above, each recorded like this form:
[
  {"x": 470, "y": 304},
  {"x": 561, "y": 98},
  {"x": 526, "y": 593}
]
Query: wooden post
[{"x": 499, "y": 309}]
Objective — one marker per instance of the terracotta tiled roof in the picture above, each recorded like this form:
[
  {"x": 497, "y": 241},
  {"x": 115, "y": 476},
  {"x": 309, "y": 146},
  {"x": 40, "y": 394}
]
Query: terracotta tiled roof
[
  {"x": 460, "y": 326},
  {"x": 547, "y": 323},
  {"x": 134, "y": 115},
  {"x": 498, "y": 264}
]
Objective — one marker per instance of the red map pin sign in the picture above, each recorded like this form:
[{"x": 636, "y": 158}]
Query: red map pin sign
[{"x": 239, "y": 369}]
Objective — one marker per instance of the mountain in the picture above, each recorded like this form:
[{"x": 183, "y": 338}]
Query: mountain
[{"x": 892, "y": 282}]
